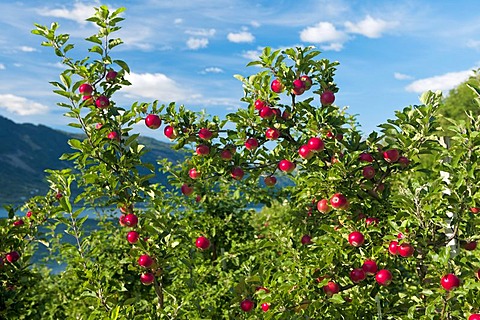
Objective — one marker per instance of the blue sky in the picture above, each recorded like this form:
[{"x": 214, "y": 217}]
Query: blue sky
[{"x": 188, "y": 51}]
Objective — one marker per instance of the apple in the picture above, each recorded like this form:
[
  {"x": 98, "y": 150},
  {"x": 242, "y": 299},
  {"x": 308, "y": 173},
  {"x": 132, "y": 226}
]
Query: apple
[
  {"x": 18, "y": 223},
  {"x": 475, "y": 210},
  {"x": 306, "y": 239},
  {"x": 357, "y": 275},
  {"x": 356, "y": 238},
  {"x": 262, "y": 288},
  {"x": 202, "y": 150},
  {"x": 237, "y": 173},
  {"x": 153, "y": 121},
  {"x": 266, "y": 113},
  {"x": 85, "y": 89},
  {"x": 338, "y": 201},
  {"x": 286, "y": 166},
  {"x": 403, "y": 161},
  {"x": 132, "y": 237},
  {"x": 186, "y": 189},
  {"x": 247, "y": 305},
  {"x": 277, "y": 86},
  {"x": 316, "y": 144},
  {"x": 305, "y": 152},
  {"x": 391, "y": 155},
  {"x": 368, "y": 172},
  {"x": 286, "y": 115},
  {"x": 298, "y": 87},
  {"x": 266, "y": 306},
  {"x": 371, "y": 221},
  {"x": 205, "y": 134},
  {"x": 87, "y": 100},
  {"x": 113, "y": 135},
  {"x": 383, "y": 277},
  {"x": 393, "y": 247},
  {"x": 226, "y": 154},
  {"x": 272, "y": 133},
  {"x": 147, "y": 278},
  {"x": 323, "y": 206},
  {"x": 331, "y": 288},
  {"x": 251, "y": 144},
  {"x": 102, "y": 102},
  {"x": 270, "y": 181},
  {"x": 29, "y": 214},
  {"x": 99, "y": 126},
  {"x": 474, "y": 316},
  {"x": 121, "y": 220},
  {"x": 12, "y": 256},
  {"x": 307, "y": 82},
  {"x": 202, "y": 243},
  {"x": 469, "y": 245},
  {"x": 330, "y": 135},
  {"x": 259, "y": 104},
  {"x": 327, "y": 98},
  {"x": 365, "y": 157},
  {"x": 370, "y": 267},
  {"x": 130, "y": 220},
  {"x": 170, "y": 132},
  {"x": 194, "y": 174},
  {"x": 277, "y": 112},
  {"x": 145, "y": 261},
  {"x": 405, "y": 250},
  {"x": 111, "y": 75},
  {"x": 450, "y": 281}
]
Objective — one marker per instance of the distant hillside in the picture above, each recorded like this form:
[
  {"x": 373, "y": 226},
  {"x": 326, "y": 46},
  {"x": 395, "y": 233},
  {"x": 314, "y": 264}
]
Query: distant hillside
[{"x": 26, "y": 150}]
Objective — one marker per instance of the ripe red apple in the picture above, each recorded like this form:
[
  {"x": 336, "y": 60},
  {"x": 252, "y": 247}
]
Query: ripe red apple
[
  {"x": 357, "y": 275},
  {"x": 393, "y": 248},
  {"x": 323, "y": 206},
  {"x": 202, "y": 150},
  {"x": 226, "y": 154},
  {"x": 251, "y": 144},
  {"x": 194, "y": 173},
  {"x": 356, "y": 238},
  {"x": 306, "y": 239},
  {"x": 265, "y": 306},
  {"x": 85, "y": 89},
  {"x": 370, "y": 267},
  {"x": 475, "y": 210},
  {"x": 29, "y": 214},
  {"x": 450, "y": 281},
  {"x": 170, "y": 132},
  {"x": 145, "y": 261},
  {"x": 384, "y": 277},
  {"x": 403, "y": 161},
  {"x": 266, "y": 113},
  {"x": 270, "y": 181},
  {"x": 298, "y": 87},
  {"x": 307, "y": 82},
  {"x": 121, "y": 220},
  {"x": 153, "y": 121},
  {"x": 371, "y": 221},
  {"x": 327, "y": 98},
  {"x": 277, "y": 86},
  {"x": 469, "y": 245},
  {"x": 186, "y": 189},
  {"x": 12, "y": 256},
  {"x": 286, "y": 166},
  {"x": 130, "y": 220},
  {"x": 365, "y": 157},
  {"x": 272, "y": 133},
  {"x": 111, "y": 75},
  {"x": 331, "y": 288},
  {"x": 205, "y": 134},
  {"x": 391, "y": 155},
  {"x": 316, "y": 144},
  {"x": 147, "y": 278},
  {"x": 247, "y": 305},
  {"x": 305, "y": 152},
  {"x": 202, "y": 243},
  {"x": 132, "y": 237},
  {"x": 18, "y": 222},
  {"x": 368, "y": 172},
  {"x": 474, "y": 316},
  {"x": 102, "y": 102},
  {"x": 286, "y": 115},
  {"x": 330, "y": 135},
  {"x": 405, "y": 250},
  {"x": 237, "y": 173},
  {"x": 338, "y": 201},
  {"x": 113, "y": 135},
  {"x": 259, "y": 104}
]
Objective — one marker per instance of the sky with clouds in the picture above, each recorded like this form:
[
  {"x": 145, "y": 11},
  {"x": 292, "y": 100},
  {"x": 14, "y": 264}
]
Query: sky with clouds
[{"x": 188, "y": 51}]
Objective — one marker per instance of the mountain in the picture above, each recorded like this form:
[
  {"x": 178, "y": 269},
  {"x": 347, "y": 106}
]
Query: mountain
[{"x": 26, "y": 150}]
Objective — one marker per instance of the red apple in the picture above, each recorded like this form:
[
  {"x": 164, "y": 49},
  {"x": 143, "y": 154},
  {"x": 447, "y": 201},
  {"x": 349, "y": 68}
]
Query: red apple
[
  {"x": 393, "y": 248},
  {"x": 29, "y": 214},
  {"x": 331, "y": 288},
  {"x": 469, "y": 245},
  {"x": 18, "y": 223},
  {"x": 226, "y": 154},
  {"x": 205, "y": 134},
  {"x": 113, "y": 135},
  {"x": 145, "y": 261},
  {"x": 237, "y": 173},
  {"x": 286, "y": 115},
  {"x": 147, "y": 278},
  {"x": 153, "y": 121},
  {"x": 323, "y": 206},
  {"x": 327, "y": 98},
  {"x": 357, "y": 275},
  {"x": 391, "y": 155},
  {"x": 12, "y": 256},
  {"x": 270, "y": 181},
  {"x": 298, "y": 87},
  {"x": 202, "y": 243},
  {"x": 450, "y": 281},
  {"x": 202, "y": 150},
  {"x": 405, "y": 250},
  {"x": 371, "y": 221},
  {"x": 132, "y": 237},
  {"x": 186, "y": 189},
  {"x": 356, "y": 238},
  {"x": 111, "y": 75},
  {"x": 286, "y": 166},
  {"x": 194, "y": 173},
  {"x": 102, "y": 102},
  {"x": 475, "y": 210},
  {"x": 338, "y": 201},
  {"x": 368, "y": 172},
  {"x": 474, "y": 316},
  {"x": 277, "y": 86},
  {"x": 259, "y": 104},
  {"x": 403, "y": 161},
  {"x": 130, "y": 220},
  {"x": 121, "y": 220},
  {"x": 266, "y": 113},
  {"x": 266, "y": 306},
  {"x": 85, "y": 89},
  {"x": 305, "y": 152},
  {"x": 307, "y": 82},
  {"x": 272, "y": 133},
  {"x": 365, "y": 157},
  {"x": 306, "y": 239},
  {"x": 370, "y": 267},
  {"x": 251, "y": 144},
  {"x": 247, "y": 305},
  {"x": 170, "y": 132},
  {"x": 383, "y": 277},
  {"x": 316, "y": 144}
]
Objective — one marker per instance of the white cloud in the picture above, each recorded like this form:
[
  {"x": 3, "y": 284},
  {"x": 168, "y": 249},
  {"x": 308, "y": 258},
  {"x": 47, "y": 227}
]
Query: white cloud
[
  {"x": 156, "y": 86},
  {"x": 79, "y": 13},
  {"x": 402, "y": 76},
  {"x": 334, "y": 46},
  {"x": 243, "y": 36},
  {"x": 252, "y": 54},
  {"x": 324, "y": 32},
  {"x": 212, "y": 70},
  {"x": 201, "y": 32},
  {"x": 178, "y": 21},
  {"x": 369, "y": 27},
  {"x": 2, "y": 66},
  {"x": 255, "y": 24},
  {"x": 20, "y": 105},
  {"x": 27, "y": 49},
  {"x": 443, "y": 82},
  {"x": 197, "y": 43}
]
